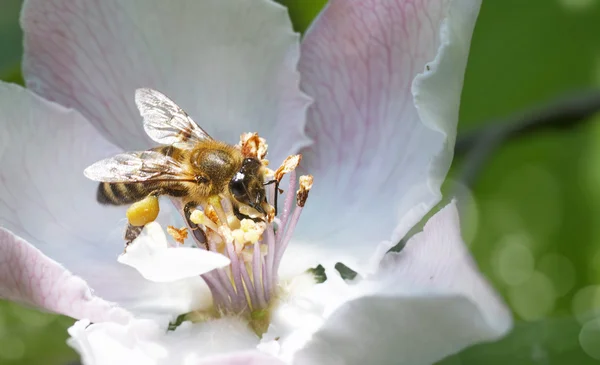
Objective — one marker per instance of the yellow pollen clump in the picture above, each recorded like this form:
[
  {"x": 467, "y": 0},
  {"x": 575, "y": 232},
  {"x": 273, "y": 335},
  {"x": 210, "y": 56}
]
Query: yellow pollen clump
[
  {"x": 178, "y": 234},
  {"x": 143, "y": 212},
  {"x": 199, "y": 217},
  {"x": 287, "y": 166},
  {"x": 249, "y": 232},
  {"x": 211, "y": 214}
]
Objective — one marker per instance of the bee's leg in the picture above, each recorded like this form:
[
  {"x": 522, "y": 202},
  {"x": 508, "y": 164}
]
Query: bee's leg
[
  {"x": 239, "y": 215},
  {"x": 131, "y": 233},
  {"x": 274, "y": 181},
  {"x": 198, "y": 233}
]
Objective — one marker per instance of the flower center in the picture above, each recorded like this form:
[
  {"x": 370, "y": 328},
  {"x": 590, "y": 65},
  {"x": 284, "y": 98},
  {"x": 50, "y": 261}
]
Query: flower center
[{"x": 255, "y": 247}]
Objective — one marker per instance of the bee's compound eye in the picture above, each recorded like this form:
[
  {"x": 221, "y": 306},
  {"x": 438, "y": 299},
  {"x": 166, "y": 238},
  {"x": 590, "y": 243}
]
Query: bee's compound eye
[{"x": 238, "y": 188}]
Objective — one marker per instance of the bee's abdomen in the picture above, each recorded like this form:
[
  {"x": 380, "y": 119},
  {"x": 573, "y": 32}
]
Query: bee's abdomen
[
  {"x": 129, "y": 193},
  {"x": 121, "y": 193}
]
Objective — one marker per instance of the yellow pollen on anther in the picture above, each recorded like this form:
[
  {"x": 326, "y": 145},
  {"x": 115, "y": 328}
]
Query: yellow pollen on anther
[
  {"x": 287, "y": 166},
  {"x": 199, "y": 217},
  {"x": 249, "y": 232},
  {"x": 179, "y": 235},
  {"x": 253, "y": 146}
]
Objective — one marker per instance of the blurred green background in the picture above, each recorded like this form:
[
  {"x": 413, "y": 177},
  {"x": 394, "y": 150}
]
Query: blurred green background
[{"x": 532, "y": 217}]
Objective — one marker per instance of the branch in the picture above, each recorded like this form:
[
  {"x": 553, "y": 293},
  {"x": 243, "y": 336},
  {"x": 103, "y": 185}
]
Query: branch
[{"x": 564, "y": 112}]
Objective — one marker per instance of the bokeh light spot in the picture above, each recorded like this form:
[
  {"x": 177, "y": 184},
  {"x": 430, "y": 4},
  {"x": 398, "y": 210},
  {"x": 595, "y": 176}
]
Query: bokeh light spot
[
  {"x": 542, "y": 223},
  {"x": 514, "y": 259},
  {"x": 577, "y": 5},
  {"x": 586, "y": 303},
  {"x": 534, "y": 298},
  {"x": 505, "y": 217},
  {"x": 12, "y": 347},
  {"x": 560, "y": 270},
  {"x": 589, "y": 338}
]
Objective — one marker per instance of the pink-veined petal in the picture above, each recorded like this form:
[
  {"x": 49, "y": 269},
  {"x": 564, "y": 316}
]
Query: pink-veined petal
[
  {"x": 425, "y": 303},
  {"x": 386, "y": 77},
  {"x": 29, "y": 277},
  {"x": 231, "y": 64},
  {"x": 46, "y": 199}
]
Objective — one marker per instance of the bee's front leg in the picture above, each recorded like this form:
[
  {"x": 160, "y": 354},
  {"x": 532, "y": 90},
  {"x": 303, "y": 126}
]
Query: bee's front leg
[
  {"x": 198, "y": 233},
  {"x": 239, "y": 215},
  {"x": 276, "y": 182}
]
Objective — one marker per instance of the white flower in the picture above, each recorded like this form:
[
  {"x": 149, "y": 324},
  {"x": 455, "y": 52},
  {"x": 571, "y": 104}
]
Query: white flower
[{"x": 385, "y": 78}]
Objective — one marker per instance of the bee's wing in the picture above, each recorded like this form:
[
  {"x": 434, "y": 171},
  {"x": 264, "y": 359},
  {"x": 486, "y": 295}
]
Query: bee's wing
[
  {"x": 137, "y": 167},
  {"x": 165, "y": 122}
]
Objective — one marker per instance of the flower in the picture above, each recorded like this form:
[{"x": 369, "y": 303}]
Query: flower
[{"x": 385, "y": 79}]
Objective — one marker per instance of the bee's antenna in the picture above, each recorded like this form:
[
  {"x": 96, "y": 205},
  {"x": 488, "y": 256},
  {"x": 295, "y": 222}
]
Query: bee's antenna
[{"x": 276, "y": 182}]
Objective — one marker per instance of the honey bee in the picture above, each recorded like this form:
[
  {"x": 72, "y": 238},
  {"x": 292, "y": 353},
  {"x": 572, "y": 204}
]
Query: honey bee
[{"x": 190, "y": 166}]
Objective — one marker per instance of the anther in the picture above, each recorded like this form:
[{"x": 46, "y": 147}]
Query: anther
[
  {"x": 306, "y": 182},
  {"x": 288, "y": 165}
]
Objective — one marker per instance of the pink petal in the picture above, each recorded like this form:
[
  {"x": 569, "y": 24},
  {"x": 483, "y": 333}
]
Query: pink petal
[
  {"x": 231, "y": 65},
  {"x": 386, "y": 77},
  {"x": 29, "y": 277},
  {"x": 425, "y": 303},
  {"x": 46, "y": 199}
]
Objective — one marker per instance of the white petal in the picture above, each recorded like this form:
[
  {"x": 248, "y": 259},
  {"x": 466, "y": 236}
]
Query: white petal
[
  {"x": 386, "y": 77},
  {"x": 29, "y": 277},
  {"x": 425, "y": 303},
  {"x": 231, "y": 64},
  {"x": 113, "y": 344},
  {"x": 152, "y": 257},
  {"x": 45, "y": 199},
  {"x": 221, "y": 341}
]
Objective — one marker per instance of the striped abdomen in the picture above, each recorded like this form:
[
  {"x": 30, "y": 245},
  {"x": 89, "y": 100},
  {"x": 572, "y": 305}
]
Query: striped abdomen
[
  {"x": 123, "y": 193},
  {"x": 128, "y": 193}
]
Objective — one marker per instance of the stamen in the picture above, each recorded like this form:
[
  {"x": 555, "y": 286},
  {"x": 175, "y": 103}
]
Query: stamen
[
  {"x": 288, "y": 165},
  {"x": 306, "y": 182},
  {"x": 236, "y": 275},
  {"x": 287, "y": 205},
  {"x": 257, "y": 270},
  {"x": 250, "y": 285},
  {"x": 251, "y": 290},
  {"x": 178, "y": 234},
  {"x": 268, "y": 265}
]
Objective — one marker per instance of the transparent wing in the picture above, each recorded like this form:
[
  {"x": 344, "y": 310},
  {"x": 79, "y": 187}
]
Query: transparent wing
[
  {"x": 165, "y": 122},
  {"x": 137, "y": 167}
]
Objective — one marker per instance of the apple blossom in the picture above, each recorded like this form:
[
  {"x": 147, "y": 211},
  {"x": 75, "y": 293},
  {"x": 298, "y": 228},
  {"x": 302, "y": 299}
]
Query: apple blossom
[{"x": 384, "y": 78}]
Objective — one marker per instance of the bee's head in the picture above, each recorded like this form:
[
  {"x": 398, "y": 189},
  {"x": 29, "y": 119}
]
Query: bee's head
[{"x": 247, "y": 186}]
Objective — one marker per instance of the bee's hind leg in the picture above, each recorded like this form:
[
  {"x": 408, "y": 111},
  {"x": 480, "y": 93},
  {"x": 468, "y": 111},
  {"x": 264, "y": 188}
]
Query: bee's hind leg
[
  {"x": 131, "y": 233},
  {"x": 198, "y": 233}
]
